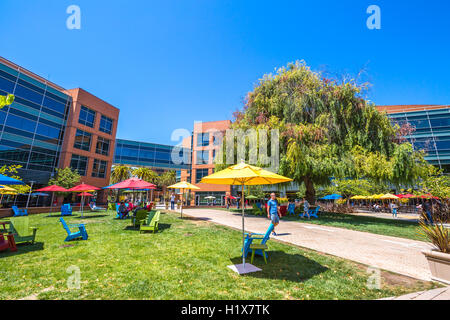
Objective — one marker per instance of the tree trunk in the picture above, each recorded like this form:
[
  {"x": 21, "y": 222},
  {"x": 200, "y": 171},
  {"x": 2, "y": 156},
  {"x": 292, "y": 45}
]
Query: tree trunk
[{"x": 310, "y": 193}]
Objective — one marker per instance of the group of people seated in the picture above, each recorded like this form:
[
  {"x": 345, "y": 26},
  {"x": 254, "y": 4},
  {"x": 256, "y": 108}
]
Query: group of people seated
[{"x": 126, "y": 207}]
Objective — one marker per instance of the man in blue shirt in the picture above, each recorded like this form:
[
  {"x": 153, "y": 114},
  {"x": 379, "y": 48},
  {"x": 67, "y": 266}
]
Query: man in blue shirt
[{"x": 273, "y": 211}]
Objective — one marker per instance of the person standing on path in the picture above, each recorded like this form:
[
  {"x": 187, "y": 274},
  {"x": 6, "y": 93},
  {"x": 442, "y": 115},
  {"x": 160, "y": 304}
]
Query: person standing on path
[
  {"x": 427, "y": 207},
  {"x": 273, "y": 211},
  {"x": 172, "y": 201},
  {"x": 306, "y": 208}
]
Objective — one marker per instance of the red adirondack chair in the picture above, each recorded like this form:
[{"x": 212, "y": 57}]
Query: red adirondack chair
[{"x": 7, "y": 243}]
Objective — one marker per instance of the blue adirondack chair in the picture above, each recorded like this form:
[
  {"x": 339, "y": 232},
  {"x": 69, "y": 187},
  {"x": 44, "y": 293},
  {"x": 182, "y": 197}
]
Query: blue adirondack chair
[
  {"x": 291, "y": 208},
  {"x": 258, "y": 204},
  {"x": 249, "y": 237},
  {"x": 81, "y": 233},
  {"x": 312, "y": 212},
  {"x": 18, "y": 212},
  {"x": 66, "y": 210}
]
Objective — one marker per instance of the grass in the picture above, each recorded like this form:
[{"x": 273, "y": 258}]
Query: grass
[
  {"x": 187, "y": 259},
  {"x": 387, "y": 227}
]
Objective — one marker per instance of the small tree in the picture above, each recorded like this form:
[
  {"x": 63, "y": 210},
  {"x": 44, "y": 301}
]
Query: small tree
[{"x": 66, "y": 178}]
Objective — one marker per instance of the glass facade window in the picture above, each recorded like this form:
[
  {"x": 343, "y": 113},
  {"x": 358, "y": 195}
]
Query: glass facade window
[
  {"x": 203, "y": 139},
  {"x": 87, "y": 117},
  {"x": 106, "y": 124},
  {"x": 82, "y": 140},
  {"x": 202, "y": 157},
  {"x": 431, "y": 133},
  {"x": 102, "y": 146},
  {"x": 152, "y": 155},
  {"x": 32, "y": 128},
  {"x": 199, "y": 174},
  {"x": 99, "y": 168},
  {"x": 79, "y": 163}
]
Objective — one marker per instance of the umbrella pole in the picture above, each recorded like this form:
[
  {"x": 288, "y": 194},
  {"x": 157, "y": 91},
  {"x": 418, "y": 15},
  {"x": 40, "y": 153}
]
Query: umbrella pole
[
  {"x": 182, "y": 203},
  {"x": 243, "y": 228},
  {"x": 51, "y": 204}
]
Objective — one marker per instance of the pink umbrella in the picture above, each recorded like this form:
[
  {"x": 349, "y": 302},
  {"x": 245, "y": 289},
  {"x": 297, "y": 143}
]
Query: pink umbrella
[
  {"x": 83, "y": 187},
  {"x": 54, "y": 188},
  {"x": 133, "y": 184},
  {"x": 85, "y": 194}
]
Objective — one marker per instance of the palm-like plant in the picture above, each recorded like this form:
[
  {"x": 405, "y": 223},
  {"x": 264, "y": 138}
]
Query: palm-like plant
[
  {"x": 166, "y": 179},
  {"x": 120, "y": 173},
  {"x": 146, "y": 174}
]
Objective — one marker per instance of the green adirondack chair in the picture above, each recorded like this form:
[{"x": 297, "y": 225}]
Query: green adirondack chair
[
  {"x": 22, "y": 231},
  {"x": 141, "y": 214},
  {"x": 150, "y": 224}
]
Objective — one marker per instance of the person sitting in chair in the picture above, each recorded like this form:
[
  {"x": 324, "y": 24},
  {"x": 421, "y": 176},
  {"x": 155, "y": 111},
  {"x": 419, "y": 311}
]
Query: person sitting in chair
[{"x": 123, "y": 210}]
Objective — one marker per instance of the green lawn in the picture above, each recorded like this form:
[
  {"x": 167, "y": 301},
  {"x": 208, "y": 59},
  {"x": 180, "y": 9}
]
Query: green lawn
[
  {"x": 187, "y": 259},
  {"x": 388, "y": 227}
]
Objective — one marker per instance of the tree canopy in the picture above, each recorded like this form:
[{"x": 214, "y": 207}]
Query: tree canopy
[
  {"x": 66, "y": 178},
  {"x": 328, "y": 129}
]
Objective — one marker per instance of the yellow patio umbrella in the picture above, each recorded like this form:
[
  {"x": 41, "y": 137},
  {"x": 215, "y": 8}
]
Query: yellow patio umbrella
[
  {"x": 243, "y": 174},
  {"x": 183, "y": 185},
  {"x": 389, "y": 196},
  {"x": 358, "y": 197},
  {"x": 5, "y": 190}
]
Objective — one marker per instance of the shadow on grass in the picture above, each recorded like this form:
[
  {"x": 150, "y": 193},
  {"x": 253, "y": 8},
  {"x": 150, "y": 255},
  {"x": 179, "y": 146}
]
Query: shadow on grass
[
  {"x": 283, "y": 266},
  {"x": 88, "y": 216},
  {"x": 22, "y": 249},
  {"x": 55, "y": 215},
  {"x": 161, "y": 227},
  {"x": 331, "y": 218},
  {"x": 196, "y": 219}
]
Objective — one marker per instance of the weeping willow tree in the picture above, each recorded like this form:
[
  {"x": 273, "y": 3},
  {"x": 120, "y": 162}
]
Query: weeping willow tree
[{"x": 327, "y": 129}]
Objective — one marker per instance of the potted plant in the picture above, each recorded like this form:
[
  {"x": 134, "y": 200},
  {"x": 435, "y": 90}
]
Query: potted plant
[
  {"x": 438, "y": 187},
  {"x": 439, "y": 257}
]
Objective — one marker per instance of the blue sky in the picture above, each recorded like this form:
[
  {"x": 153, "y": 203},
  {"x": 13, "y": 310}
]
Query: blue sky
[{"x": 166, "y": 64}]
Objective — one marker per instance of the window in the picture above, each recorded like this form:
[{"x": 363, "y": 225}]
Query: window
[
  {"x": 214, "y": 155},
  {"x": 106, "y": 124},
  {"x": 99, "y": 168},
  {"x": 200, "y": 174},
  {"x": 79, "y": 163},
  {"x": 202, "y": 157},
  {"x": 102, "y": 146},
  {"x": 87, "y": 117},
  {"x": 82, "y": 140},
  {"x": 202, "y": 139}
]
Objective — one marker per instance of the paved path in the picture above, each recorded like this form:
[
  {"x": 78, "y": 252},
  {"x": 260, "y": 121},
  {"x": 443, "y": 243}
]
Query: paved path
[
  {"x": 398, "y": 255},
  {"x": 435, "y": 294}
]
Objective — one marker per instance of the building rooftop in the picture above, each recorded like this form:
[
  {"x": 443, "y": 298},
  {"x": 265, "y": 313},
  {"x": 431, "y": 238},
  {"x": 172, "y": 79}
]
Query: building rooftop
[{"x": 410, "y": 108}]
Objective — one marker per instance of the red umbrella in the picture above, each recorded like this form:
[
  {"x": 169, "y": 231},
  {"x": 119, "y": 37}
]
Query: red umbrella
[
  {"x": 54, "y": 188},
  {"x": 133, "y": 184},
  {"x": 83, "y": 187},
  {"x": 85, "y": 194}
]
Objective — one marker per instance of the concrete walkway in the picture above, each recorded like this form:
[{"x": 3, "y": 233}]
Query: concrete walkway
[
  {"x": 402, "y": 256},
  {"x": 435, "y": 294}
]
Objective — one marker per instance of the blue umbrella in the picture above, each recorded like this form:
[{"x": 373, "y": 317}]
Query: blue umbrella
[
  {"x": 7, "y": 180},
  {"x": 332, "y": 197}
]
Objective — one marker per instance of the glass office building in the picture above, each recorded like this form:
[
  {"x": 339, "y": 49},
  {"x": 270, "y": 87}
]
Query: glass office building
[
  {"x": 431, "y": 134},
  {"x": 155, "y": 156},
  {"x": 32, "y": 128}
]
